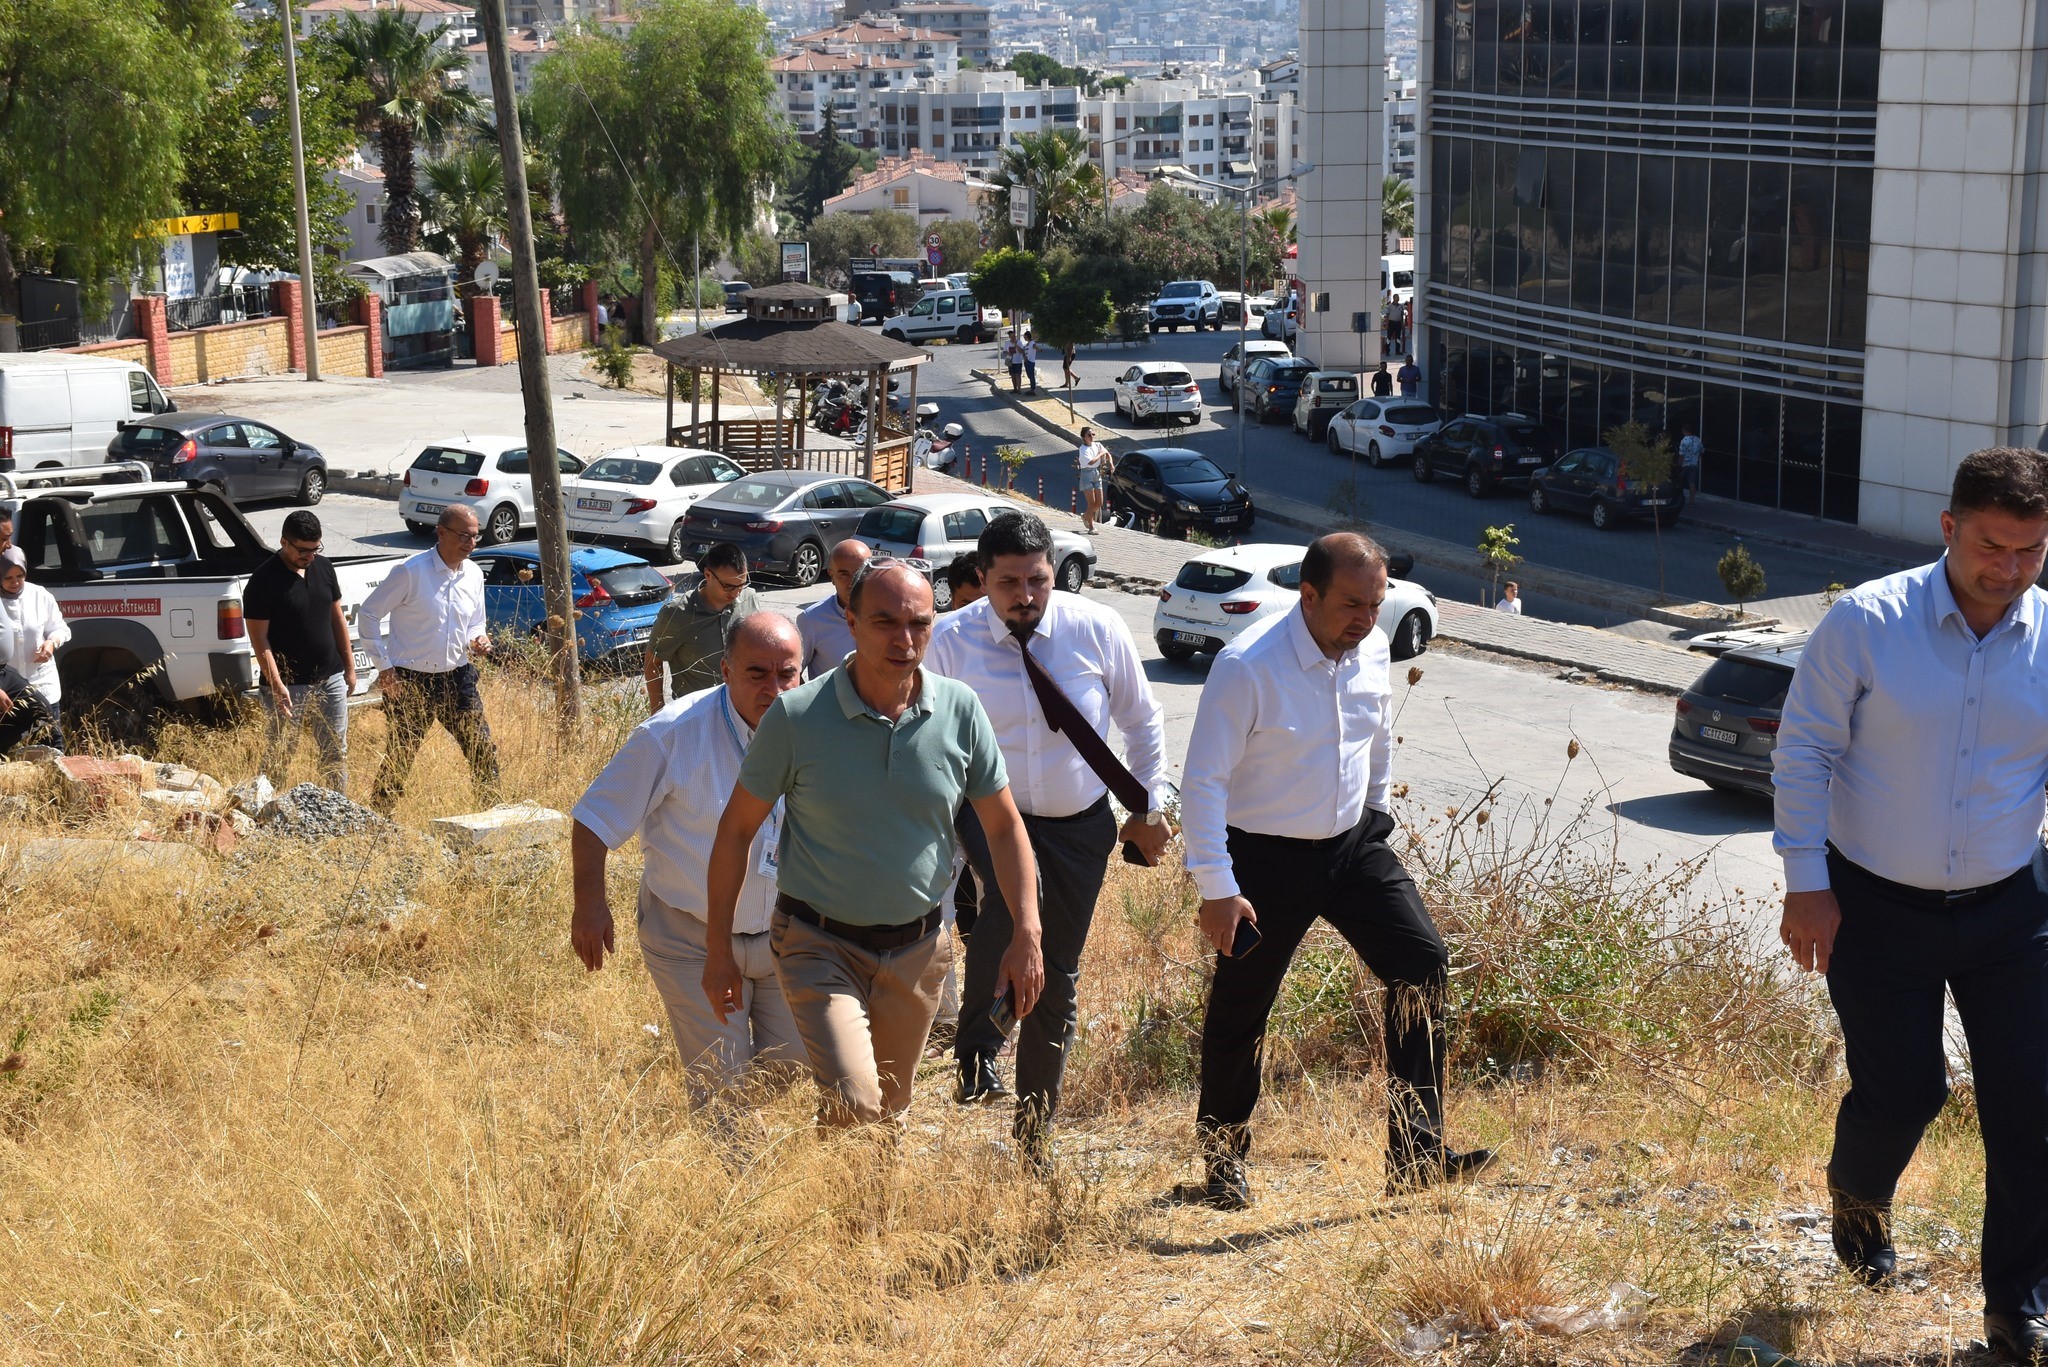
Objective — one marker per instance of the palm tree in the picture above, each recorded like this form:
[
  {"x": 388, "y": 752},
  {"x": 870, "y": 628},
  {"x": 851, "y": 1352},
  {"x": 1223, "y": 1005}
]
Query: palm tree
[
  {"x": 462, "y": 206},
  {"x": 410, "y": 100},
  {"x": 1054, "y": 165},
  {"x": 1397, "y": 207}
]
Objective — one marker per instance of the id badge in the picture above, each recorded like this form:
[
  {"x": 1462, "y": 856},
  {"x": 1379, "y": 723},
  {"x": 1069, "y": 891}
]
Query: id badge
[{"x": 770, "y": 863}]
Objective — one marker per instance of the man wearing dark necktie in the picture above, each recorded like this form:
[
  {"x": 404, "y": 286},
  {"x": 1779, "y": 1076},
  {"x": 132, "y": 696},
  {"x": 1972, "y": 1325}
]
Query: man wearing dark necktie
[{"x": 1053, "y": 671}]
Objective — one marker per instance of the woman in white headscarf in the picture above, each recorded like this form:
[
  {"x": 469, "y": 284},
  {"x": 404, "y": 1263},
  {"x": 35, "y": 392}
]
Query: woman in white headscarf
[{"x": 31, "y": 629}]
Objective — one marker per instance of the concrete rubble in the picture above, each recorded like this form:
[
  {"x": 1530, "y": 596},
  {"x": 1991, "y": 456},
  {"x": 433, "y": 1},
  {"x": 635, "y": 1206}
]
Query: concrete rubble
[{"x": 513, "y": 826}]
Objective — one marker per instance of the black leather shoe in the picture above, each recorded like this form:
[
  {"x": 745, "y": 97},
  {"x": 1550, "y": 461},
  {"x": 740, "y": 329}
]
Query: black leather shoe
[
  {"x": 978, "y": 1081},
  {"x": 1223, "y": 1187},
  {"x": 2017, "y": 1338},
  {"x": 1863, "y": 1238},
  {"x": 1449, "y": 1166}
]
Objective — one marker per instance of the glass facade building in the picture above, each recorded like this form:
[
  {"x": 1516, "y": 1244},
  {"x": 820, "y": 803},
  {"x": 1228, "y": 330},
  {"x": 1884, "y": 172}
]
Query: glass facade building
[{"x": 1658, "y": 210}]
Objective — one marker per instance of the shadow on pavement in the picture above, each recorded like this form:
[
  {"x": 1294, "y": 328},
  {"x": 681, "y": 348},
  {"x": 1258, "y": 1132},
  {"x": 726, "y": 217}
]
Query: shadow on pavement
[{"x": 1697, "y": 811}]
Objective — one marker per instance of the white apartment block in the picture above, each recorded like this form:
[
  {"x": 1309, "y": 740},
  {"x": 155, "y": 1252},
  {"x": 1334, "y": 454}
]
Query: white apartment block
[
  {"x": 927, "y": 189},
  {"x": 931, "y": 52},
  {"x": 527, "y": 49},
  {"x": 848, "y": 90},
  {"x": 1397, "y": 154},
  {"x": 458, "y": 19}
]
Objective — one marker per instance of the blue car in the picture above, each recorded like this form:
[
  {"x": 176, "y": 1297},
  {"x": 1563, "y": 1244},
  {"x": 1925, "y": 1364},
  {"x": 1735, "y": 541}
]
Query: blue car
[{"x": 616, "y": 595}]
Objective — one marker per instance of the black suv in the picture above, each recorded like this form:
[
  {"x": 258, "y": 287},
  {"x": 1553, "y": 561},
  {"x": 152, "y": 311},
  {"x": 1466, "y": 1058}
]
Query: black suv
[
  {"x": 883, "y": 293},
  {"x": 1486, "y": 452}
]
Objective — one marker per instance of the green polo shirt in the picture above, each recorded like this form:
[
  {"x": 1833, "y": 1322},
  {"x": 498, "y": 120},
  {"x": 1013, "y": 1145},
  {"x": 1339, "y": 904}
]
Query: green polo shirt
[
  {"x": 689, "y": 637},
  {"x": 869, "y": 804}
]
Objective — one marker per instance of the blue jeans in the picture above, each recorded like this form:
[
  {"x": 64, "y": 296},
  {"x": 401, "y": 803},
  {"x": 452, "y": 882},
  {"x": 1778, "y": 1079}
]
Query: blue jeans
[{"x": 323, "y": 705}]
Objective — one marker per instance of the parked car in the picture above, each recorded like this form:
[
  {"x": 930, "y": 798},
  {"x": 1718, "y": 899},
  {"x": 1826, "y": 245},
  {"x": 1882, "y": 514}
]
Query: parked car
[
  {"x": 1250, "y": 308},
  {"x": 242, "y": 458},
  {"x": 1590, "y": 479},
  {"x": 1273, "y": 383},
  {"x": 1243, "y": 355},
  {"x": 1157, "y": 391},
  {"x": 1323, "y": 393},
  {"x": 785, "y": 521},
  {"x": 940, "y": 528},
  {"x": 1280, "y": 321},
  {"x": 1177, "y": 491},
  {"x": 58, "y": 409},
  {"x": 882, "y": 293},
  {"x": 947, "y": 313},
  {"x": 1218, "y": 594},
  {"x": 617, "y": 596},
  {"x": 1381, "y": 430},
  {"x": 1726, "y": 730},
  {"x": 1486, "y": 452},
  {"x": 638, "y": 496},
  {"x": 1186, "y": 303},
  {"x": 489, "y": 475},
  {"x": 736, "y": 292}
]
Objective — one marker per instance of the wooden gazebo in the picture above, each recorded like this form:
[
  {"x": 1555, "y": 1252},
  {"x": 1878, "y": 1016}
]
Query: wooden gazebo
[{"x": 791, "y": 335}]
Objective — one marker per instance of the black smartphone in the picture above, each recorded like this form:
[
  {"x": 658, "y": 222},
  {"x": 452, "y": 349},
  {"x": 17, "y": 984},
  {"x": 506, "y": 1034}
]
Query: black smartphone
[
  {"x": 1003, "y": 1013},
  {"x": 1132, "y": 855},
  {"x": 1246, "y": 940}
]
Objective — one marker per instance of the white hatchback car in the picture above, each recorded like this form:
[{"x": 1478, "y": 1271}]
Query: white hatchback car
[
  {"x": 1218, "y": 594},
  {"x": 488, "y": 475},
  {"x": 1382, "y": 430},
  {"x": 1157, "y": 391},
  {"x": 940, "y": 528},
  {"x": 637, "y": 496}
]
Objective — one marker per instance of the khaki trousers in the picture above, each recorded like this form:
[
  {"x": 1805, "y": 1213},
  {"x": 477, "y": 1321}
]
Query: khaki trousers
[
  {"x": 864, "y": 1016},
  {"x": 761, "y": 1033}
]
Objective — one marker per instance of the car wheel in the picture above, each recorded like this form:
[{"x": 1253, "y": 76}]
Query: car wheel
[
  {"x": 1330, "y": 439},
  {"x": 893, "y": 334},
  {"x": 1421, "y": 469},
  {"x": 1373, "y": 456},
  {"x": 1475, "y": 482},
  {"x": 503, "y": 525},
  {"x": 219, "y": 486},
  {"x": 312, "y": 488},
  {"x": 1411, "y": 638},
  {"x": 1073, "y": 574},
  {"x": 1180, "y": 652},
  {"x": 1152, "y": 328},
  {"x": 1605, "y": 518},
  {"x": 419, "y": 528},
  {"x": 674, "y": 547},
  {"x": 1116, "y": 403},
  {"x": 1194, "y": 418},
  {"x": 964, "y": 335},
  {"x": 942, "y": 593},
  {"x": 807, "y": 566}
]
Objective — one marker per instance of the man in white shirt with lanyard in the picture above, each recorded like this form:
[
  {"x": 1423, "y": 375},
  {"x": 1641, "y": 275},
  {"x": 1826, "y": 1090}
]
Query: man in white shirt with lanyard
[
  {"x": 1286, "y": 799},
  {"x": 1087, "y": 674},
  {"x": 1909, "y": 773},
  {"x": 668, "y": 785}
]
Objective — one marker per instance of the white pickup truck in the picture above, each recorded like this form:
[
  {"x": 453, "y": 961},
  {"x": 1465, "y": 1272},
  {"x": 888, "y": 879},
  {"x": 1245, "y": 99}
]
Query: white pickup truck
[{"x": 150, "y": 577}]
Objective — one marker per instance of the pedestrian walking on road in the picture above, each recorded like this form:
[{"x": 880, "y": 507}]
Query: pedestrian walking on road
[
  {"x": 690, "y": 630},
  {"x": 1287, "y": 798},
  {"x": 1067, "y": 364},
  {"x": 1909, "y": 771},
  {"x": 1091, "y": 462},
  {"x": 872, "y": 761},
  {"x": 1382, "y": 382},
  {"x": 32, "y": 628},
  {"x": 1510, "y": 599},
  {"x": 1691, "y": 452},
  {"x": 1013, "y": 357},
  {"x": 827, "y": 636},
  {"x": 1009, "y": 648},
  {"x": 298, "y": 629},
  {"x": 668, "y": 785},
  {"x": 1409, "y": 377},
  {"x": 426, "y": 653},
  {"x": 1031, "y": 361}
]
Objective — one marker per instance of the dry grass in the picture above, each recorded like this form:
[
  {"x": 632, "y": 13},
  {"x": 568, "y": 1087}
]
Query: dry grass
[{"x": 359, "y": 1103}]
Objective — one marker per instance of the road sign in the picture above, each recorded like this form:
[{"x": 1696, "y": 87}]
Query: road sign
[
  {"x": 932, "y": 242},
  {"x": 1021, "y": 206},
  {"x": 874, "y": 249},
  {"x": 934, "y": 256}
]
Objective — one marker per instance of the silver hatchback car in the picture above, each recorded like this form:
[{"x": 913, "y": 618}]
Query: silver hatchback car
[{"x": 940, "y": 528}]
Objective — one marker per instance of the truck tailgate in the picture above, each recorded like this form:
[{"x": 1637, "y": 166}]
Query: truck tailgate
[{"x": 358, "y": 575}]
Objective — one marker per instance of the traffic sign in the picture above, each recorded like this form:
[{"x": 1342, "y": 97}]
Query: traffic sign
[
  {"x": 933, "y": 254},
  {"x": 932, "y": 242}
]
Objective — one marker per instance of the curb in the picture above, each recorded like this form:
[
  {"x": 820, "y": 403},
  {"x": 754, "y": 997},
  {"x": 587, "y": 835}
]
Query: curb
[
  {"x": 1536, "y": 654},
  {"x": 367, "y": 484}
]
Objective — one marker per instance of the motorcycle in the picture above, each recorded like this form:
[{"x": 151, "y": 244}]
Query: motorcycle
[{"x": 936, "y": 450}]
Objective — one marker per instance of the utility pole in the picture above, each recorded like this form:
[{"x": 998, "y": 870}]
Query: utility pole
[
  {"x": 309, "y": 317},
  {"x": 559, "y": 629}
]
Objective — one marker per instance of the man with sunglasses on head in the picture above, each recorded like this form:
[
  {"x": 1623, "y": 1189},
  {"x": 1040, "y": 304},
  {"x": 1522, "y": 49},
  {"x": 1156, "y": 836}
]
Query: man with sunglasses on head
[
  {"x": 299, "y": 631},
  {"x": 691, "y": 629}
]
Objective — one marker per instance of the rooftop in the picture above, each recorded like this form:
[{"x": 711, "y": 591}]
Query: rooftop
[
  {"x": 864, "y": 31},
  {"x": 837, "y": 61},
  {"x": 919, "y": 162}
]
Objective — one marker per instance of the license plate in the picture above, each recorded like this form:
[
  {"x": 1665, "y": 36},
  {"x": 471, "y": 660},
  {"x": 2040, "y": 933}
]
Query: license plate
[
  {"x": 1716, "y": 733},
  {"x": 429, "y": 509},
  {"x": 594, "y": 505},
  {"x": 362, "y": 662},
  {"x": 1226, "y": 521},
  {"x": 1656, "y": 503},
  {"x": 1189, "y": 638},
  {"x": 642, "y": 633},
  {"x": 1530, "y": 460}
]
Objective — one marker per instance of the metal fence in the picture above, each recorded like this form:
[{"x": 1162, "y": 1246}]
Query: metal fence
[{"x": 236, "y": 304}]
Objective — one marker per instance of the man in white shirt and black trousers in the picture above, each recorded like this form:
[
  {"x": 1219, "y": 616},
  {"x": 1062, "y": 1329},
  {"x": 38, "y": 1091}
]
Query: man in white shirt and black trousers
[
  {"x": 1040, "y": 660},
  {"x": 1909, "y": 771},
  {"x": 1285, "y": 799}
]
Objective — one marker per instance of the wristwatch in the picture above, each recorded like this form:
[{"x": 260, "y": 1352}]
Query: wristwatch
[{"x": 1155, "y": 817}]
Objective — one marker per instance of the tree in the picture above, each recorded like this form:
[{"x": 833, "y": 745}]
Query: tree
[
  {"x": 1176, "y": 237},
  {"x": 404, "y": 75},
  {"x": 664, "y": 135},
  {"x": 1036, "y": 66},
  {"x": 1072, "y": 312},
  {"x": 1742, "y": 576},
  {"x": 1497, "y": 554},
  {"x": 463, "y": 208},
  {"x": 758, "y": 259},
  {"x": 829, "y": 168},
  {"x": 1397, "y": 207},
  {"x": 1066, "y": 188},
  {"x": 1010, "y": 280},
  {"x": 836, "y": 237},
  {"x": 95, "y": 104},
  {"x": 1645, "y": 458}
]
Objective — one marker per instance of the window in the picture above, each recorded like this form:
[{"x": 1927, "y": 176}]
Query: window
[
  {"x": 900, "y": 196},
  {"x": 623, "y": 470},
  {"x": 228, "y": 435},
  {"x": 965, "y": 525},
  {"x": 1202, "y": 577},
  {"x": 441, "y": 460},
  {"x": 134, "y": 533},
  {"x": 825, "y": 497},
  {"x": 370, "y": 213},
  {"x": 1285, "y": 576},
  {"x": 138, "y": 393}
]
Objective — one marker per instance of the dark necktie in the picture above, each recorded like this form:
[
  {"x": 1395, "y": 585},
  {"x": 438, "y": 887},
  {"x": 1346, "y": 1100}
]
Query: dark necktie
[{"x": 1062, "y": 716}]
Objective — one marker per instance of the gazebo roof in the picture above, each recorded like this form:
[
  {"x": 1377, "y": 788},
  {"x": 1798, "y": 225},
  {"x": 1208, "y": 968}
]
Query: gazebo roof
[{"x": 774, "y": 346}]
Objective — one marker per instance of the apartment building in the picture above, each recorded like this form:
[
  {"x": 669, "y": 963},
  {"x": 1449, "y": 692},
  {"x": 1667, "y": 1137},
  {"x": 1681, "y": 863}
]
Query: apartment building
[
  {"x": 847, "y": 90},
  {"x": 919, "y": 185},
  {"x": 527, "y": 47},
  {"x": 1399, "y": 146},
  {"x": 459, "y": 20},
  {"x": 933, "y": 54},
  {"x": 971, "y": 25}
]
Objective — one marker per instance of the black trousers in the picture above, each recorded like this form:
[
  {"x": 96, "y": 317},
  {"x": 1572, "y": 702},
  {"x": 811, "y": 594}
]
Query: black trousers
[
  {"x": 1073, "y": 859},
  {"x": 451, "y": 699},
  {"x": 1357, "y": 884},
  {"x": 31, "y": 721},
  {"x": 1892, "y": 960}
]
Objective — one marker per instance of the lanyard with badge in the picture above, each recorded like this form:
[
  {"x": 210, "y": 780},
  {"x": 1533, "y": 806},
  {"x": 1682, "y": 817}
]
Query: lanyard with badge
[{"x": 771, "y": 830}]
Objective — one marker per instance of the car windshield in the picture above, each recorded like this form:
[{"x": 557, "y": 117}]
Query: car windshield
[
  {"x": 1173, "y": 377},
  {"x": 441, "y": 460},
  {"x": 751, "y": 493},
  {"x": 1746, "y": 683},
  {"x": 892, "y": 524},
  {"x": 1196, "y": 471},
  {"x": 1295, "y": 371},
  {"x": 634, "y": 583},
  {"x": 619, "y": 470},
  {"x": 1202, "y": 577},
  {"x": 1181, "y": 289},
  {"x": 1410, "y": 415}
]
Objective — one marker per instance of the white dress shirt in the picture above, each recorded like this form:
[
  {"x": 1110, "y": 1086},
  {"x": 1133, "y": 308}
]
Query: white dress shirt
[
  {"x": 1919, "y": 750},
  {"x": 435, "y": 613},
  {"x": 1512, "y": 606},
  {"x": 1087, "y": 650},
  {"x": 668, "y": 785},
  {"x": 827, "y": 640},
  {"x": 1286, "y": 742},
  {"x": 27, "y": 620}
]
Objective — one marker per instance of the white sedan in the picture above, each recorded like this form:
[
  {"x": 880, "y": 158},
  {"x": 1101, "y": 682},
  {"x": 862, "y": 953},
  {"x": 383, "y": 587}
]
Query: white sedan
[
  {"x": 1157, "y": 391},
  {"x": 638, "y": 496},
  {"x": 1382, "y": 430},
  {"x": 1218, "y": 594}
]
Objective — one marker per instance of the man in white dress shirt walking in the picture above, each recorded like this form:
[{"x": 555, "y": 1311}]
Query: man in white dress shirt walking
[
  {"x": 1286, "y": 800},
  {"x": 827, "y": 635},
  {"x": 426, "y": 654},
  {"x": 1909, "y": 773},
  {"x": 668, "y": 785},
  {"x": 1084, "y": 654}
]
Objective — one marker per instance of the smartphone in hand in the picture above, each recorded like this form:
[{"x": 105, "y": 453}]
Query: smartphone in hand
[
  {"x": 1003, "y": 1013},
  {"x": 1246, "y": 939}
]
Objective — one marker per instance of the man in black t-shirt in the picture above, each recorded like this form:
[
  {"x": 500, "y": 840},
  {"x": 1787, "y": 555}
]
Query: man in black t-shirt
[{"x": 300, "y": 633}]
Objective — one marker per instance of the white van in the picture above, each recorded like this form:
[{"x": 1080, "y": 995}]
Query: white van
[
  {"x": 944, "y": 313},
  {"x": 1397, "y": 277},
  {"x": 58, "y": 409}
]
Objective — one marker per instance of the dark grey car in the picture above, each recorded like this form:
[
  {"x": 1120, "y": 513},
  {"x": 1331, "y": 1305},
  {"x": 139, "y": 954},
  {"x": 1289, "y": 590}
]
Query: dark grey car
[
  {"x": 1726, "y": 730},
  {"x": 247, "y": 460},
  {"x": 786, "y": 521}
]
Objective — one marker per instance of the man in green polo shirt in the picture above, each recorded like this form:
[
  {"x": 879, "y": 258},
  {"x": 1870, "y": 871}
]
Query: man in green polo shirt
[
  {"x": 690, "y": 630},
  {"x": 871, "y": 762}
]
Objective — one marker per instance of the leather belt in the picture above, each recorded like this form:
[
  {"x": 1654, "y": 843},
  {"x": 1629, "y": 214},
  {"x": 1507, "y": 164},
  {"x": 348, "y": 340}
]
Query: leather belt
[
  {"x": 877, "y": 939},
  {"x": 1945, "y": 899}
]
